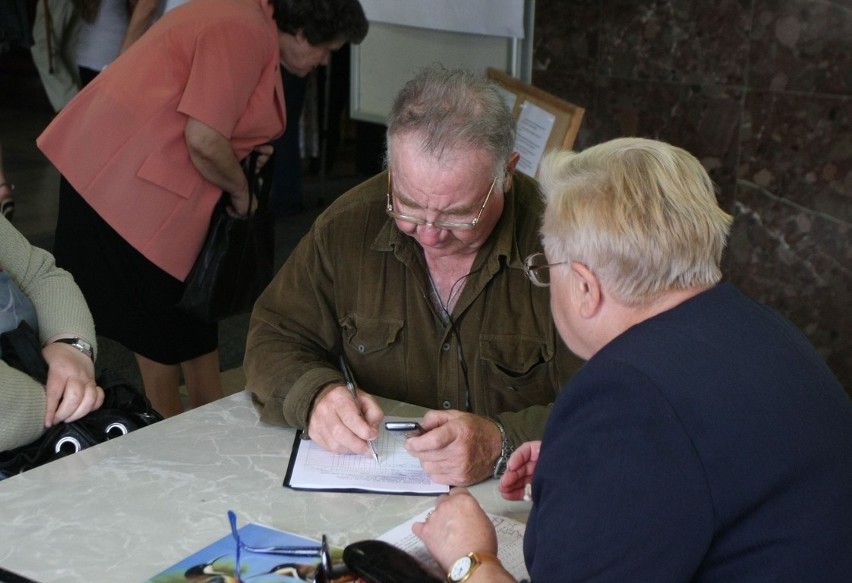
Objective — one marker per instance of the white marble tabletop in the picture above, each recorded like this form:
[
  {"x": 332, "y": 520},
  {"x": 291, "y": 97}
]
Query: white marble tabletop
[{"x": 125, "y": 510}]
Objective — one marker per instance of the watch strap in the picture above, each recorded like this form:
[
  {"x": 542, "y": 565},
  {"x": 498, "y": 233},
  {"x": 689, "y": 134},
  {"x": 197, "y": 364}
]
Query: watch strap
[
  {"x": 82, "y": 345},
  {"x": 506, "y": 449}
]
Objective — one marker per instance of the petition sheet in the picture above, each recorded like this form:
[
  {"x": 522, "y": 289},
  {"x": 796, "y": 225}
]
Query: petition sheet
[
  {"x": 510, "y": 544},
  {"x": 313, "y": 468}
]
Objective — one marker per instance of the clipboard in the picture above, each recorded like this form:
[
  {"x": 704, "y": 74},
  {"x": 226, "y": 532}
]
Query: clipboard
[{"x": 313, "y": 469}]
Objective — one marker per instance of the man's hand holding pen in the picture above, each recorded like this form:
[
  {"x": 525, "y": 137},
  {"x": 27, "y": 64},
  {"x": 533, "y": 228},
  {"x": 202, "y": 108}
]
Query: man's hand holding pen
[
  {"x": 343, "y": 424},
  {"x": 353, "y": 390},
  {"x": 455, "y": 448}
]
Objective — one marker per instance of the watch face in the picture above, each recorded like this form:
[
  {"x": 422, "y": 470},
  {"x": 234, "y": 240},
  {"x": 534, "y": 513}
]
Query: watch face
[{"x": 460, "y": 568}]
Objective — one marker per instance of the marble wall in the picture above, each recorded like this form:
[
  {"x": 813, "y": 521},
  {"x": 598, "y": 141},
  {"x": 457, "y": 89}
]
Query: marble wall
[{"x": 760, "y": 91}]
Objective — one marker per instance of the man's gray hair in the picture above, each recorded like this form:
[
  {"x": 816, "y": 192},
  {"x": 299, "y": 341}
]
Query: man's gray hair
[{"x": 451, "y": 110}]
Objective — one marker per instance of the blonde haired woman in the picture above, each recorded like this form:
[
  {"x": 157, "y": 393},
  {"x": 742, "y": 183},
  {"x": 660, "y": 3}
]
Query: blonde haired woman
[{"x": 704, "y": 440}]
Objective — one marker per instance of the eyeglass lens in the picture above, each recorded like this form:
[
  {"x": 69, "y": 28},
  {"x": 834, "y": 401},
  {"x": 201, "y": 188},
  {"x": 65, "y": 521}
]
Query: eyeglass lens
[
  {"x": 438, "y": 224},
  {"x": 537, "y": 269}
]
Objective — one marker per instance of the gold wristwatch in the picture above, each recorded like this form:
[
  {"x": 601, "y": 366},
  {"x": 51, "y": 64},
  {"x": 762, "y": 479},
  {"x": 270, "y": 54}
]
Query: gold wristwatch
[{"x": 463, "y": 568}]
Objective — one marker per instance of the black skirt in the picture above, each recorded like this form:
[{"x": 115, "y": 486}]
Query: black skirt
[{"x": 132, "y": 300}]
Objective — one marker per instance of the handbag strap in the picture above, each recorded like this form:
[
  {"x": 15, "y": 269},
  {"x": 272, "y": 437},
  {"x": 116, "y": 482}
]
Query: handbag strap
[{"x": 259, "y": 181}]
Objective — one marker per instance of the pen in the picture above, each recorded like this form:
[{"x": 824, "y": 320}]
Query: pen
[{"x": 350, "y": 383}]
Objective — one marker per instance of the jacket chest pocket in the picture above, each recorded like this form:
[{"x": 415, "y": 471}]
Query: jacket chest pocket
[
  {"x": 373, "y": 347},
  {"x": 517, "y": 371},
  {"x": 368, "y": 336}
]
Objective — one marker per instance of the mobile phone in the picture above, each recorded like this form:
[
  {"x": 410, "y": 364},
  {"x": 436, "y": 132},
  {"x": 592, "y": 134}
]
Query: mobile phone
[{"x": 410, "y": 428}]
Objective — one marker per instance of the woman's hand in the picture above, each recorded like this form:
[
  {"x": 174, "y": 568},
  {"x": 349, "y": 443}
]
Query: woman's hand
[
  {"x": 264, "y": 153},
  {"x": 71, "y": 389},
  {"x": 212, "y": 154},
  {"x": 240, "y": 201},
  {"x": 519, "y": 471},
  {"x": 239, "y": 207},
  {"x": 456, "y": 527}
]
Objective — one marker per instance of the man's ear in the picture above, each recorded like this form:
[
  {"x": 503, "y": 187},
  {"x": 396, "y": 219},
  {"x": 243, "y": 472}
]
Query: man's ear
[
  {"x": 587, "y": 288},
  {"x": 511, "y": 165}
]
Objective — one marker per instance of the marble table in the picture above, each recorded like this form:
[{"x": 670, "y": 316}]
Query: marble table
[{"x": 126, "y": 509}]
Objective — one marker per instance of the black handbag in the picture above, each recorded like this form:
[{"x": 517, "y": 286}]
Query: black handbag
[
  {"x": 237, "y": 259},
  {"x": 380, "y": 562},
  {"x": 124, "y": 409}
]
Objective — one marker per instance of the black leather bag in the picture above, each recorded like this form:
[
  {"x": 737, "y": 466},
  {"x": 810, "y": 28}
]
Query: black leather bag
[
  {"x": 125, "y": 409},
  {"x": 380, "y": 562},
  {"x": 237, "y": 260}
]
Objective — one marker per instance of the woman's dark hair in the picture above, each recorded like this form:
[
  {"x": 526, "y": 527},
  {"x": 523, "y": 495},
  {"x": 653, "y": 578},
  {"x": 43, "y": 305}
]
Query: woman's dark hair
[{"x": 322, "y": 21}]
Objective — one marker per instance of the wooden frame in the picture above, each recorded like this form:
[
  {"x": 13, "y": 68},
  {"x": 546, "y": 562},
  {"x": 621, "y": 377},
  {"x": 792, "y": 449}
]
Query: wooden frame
[{"x": 568, "y": 116}]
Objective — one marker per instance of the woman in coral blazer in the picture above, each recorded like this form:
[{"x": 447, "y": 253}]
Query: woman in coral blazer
[{"x": 146, "y": 150}]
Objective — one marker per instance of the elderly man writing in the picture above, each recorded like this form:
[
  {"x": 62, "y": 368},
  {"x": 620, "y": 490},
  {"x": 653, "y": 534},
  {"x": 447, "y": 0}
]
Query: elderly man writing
[{"x": 416, "y": 276}]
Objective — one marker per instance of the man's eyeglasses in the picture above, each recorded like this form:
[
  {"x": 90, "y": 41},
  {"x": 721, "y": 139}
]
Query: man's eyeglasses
[
  {"x": 439, "y": 224},
  {"x": 323, "y": 572},
  {"x": 538, "y": 269}
]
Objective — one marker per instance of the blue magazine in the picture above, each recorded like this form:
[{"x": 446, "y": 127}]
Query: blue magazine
[{"x": 217, "y": 561}]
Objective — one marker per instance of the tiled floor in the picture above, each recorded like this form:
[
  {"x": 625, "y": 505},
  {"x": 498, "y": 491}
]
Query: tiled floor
[{"x": 25, "y": 112}]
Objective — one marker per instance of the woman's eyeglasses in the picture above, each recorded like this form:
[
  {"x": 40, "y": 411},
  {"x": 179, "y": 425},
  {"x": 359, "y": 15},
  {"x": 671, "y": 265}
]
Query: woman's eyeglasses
[
  {"x": 538, "y": 269},
  {"x": 325, "y": 570}
]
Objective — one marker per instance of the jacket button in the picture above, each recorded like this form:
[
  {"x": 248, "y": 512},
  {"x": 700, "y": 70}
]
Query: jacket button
[
  {"x": 447, "y": 405},
  {"x": 361, "y": 348},
  {"x": 446, "y": 346}
]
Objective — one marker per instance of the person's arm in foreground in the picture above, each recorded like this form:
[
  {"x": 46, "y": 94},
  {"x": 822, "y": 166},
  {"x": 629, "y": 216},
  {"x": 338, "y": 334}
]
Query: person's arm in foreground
[
  {"x": 291, "y": 365},
  {"x": 459, "y": 526},
  {"x": 71, "y": 390}
]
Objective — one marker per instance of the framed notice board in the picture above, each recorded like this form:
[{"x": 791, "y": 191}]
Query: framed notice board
[{"x": 545, "y": 122}]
